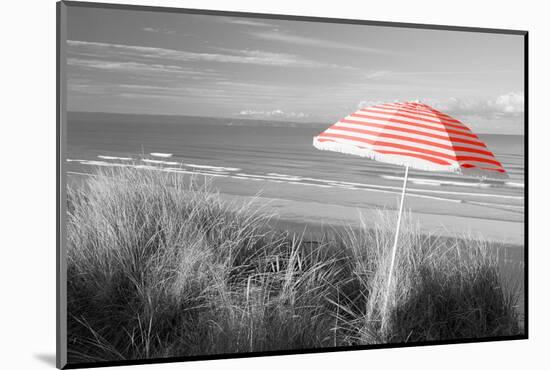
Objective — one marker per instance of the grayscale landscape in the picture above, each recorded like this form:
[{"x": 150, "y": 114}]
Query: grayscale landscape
[{"x": 202, "y": 221}]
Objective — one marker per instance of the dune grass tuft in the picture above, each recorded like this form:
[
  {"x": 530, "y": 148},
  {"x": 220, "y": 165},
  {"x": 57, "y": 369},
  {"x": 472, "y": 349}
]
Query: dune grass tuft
[{"x": 160, "y": 267}]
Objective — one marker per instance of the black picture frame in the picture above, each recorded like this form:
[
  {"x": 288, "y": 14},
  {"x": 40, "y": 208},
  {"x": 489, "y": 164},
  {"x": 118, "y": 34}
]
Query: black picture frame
[{"x": 61, "y": 117}]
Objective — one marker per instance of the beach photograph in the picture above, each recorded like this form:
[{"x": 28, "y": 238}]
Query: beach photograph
[{"x": 267, "y": 185}]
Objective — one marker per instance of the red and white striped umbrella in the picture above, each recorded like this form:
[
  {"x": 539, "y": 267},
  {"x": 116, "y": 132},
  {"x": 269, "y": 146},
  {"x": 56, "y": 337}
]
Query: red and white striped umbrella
[{"x": 414, "y": 135}]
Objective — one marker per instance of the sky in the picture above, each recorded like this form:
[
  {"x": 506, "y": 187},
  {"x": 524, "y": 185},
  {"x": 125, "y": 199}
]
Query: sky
[{"x": 128, "y": 61}]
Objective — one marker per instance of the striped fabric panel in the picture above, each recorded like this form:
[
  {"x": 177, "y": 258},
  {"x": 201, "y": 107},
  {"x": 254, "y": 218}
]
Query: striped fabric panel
[{"x": 415, "y": 131}]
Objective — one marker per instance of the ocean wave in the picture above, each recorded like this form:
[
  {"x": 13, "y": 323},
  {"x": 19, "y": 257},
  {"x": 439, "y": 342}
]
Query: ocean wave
[
  {"x": 114, "y": 158},
  {"x": 213, "y": 168},
  {"x": 161, "y": 155}
]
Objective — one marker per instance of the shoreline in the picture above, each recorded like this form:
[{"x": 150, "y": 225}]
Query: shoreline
[{"x": 314, "y": 217}]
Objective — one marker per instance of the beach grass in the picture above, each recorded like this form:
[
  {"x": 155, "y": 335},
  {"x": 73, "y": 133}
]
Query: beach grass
[{"x": 160, "y": 266}]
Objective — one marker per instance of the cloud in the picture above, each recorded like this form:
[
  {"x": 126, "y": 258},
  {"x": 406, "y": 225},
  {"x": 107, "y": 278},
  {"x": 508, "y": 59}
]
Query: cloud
[
  {"x": 270, "y": 59},
  {"x": 212, "y": 91},
  {"x": 247, "y": 22},
  {"x": 134, "y": 67},
  {"x": 316, "y": 42},
  {"x": 513, "y": 102},
  {"x": 506, "y": 105},
  {"x": 276, "y": 113},
  {"x": 376, "y": 75},
  {"x": 158, "y": 30},
  {"x": 142, "y": 90},
  {"x": 369, "y": 103},
  {"x": 384, "y": 74},
  {"x": 500, "y": 114},
  {"x": 255, "y": 57}
]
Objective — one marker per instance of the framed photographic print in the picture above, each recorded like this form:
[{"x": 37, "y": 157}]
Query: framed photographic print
[{"x": 236, "y": 184}]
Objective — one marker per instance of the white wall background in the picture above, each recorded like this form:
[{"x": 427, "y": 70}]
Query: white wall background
[{"x": 27, "y": 204}]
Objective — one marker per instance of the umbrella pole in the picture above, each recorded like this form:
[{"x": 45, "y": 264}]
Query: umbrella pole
[{"x": 394, "y": 250}]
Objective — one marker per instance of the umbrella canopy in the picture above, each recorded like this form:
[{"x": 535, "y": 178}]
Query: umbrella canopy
[{"x": 414, "y": 135}]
